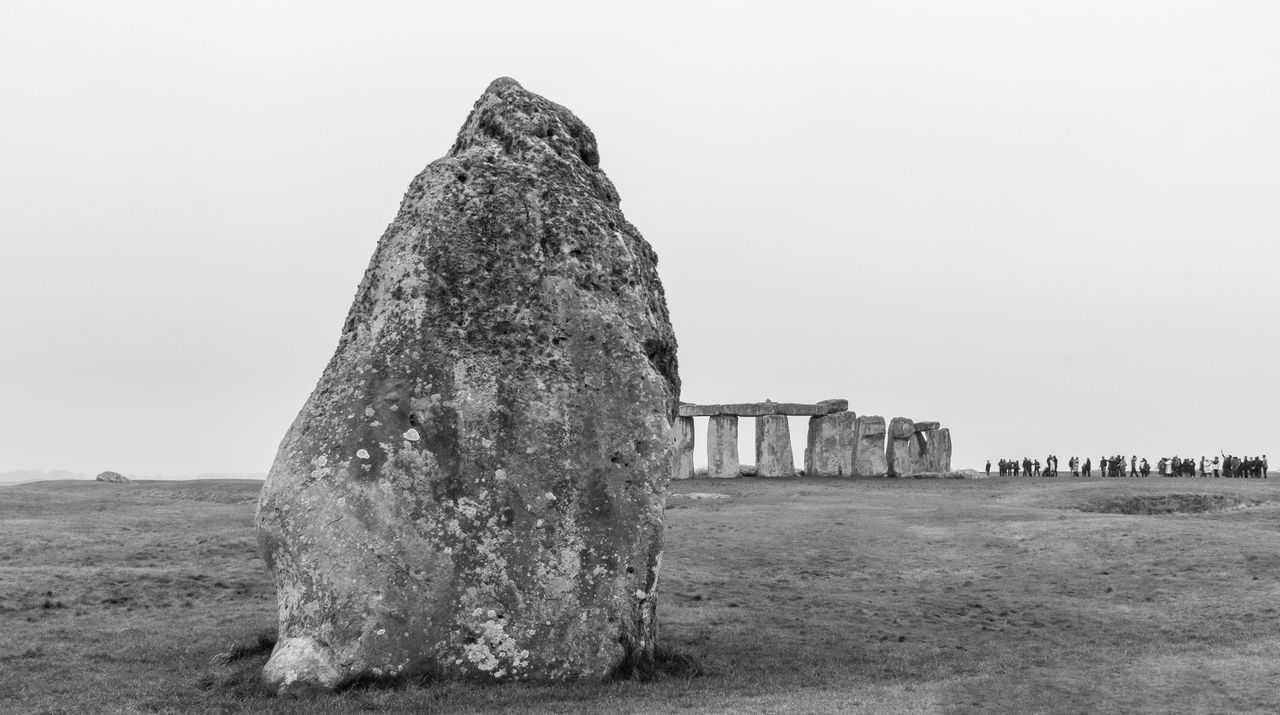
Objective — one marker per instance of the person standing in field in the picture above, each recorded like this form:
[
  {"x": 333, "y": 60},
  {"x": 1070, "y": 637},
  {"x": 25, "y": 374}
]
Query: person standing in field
[
  {"x": 988, "y": 467},
  {"x": 1146, "y": 467},
  {"x": 1088, "y": 468},
  {"x": 1133, "y": 465},
  {"x": 1217, "y": 473}
]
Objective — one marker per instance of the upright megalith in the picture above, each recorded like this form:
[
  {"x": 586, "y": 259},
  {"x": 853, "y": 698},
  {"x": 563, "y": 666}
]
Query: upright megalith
[
  {"x": 868, "y": 446},
  {"x": 898, "y": 451},
  {"x": 682, "y": 465},
  {"x": 475, "y": 488},
  {"x": 919, "y": 454},
  {"x": 773, "y": 447},
  {"x": 722, "y": 447},
  {"x": 830, "y": 446},
  {"x": 939, "y": 441}
]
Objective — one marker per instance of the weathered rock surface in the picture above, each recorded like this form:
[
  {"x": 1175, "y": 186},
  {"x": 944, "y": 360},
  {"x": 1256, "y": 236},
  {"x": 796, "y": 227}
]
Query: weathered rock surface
[
  {"x": 722, "y": 447},
  {"x": 683, "y": 462},
  {"x": 898, "y": 456},
  {"x": 918, "y": 453},
  {"x": 898, "y": 447},
  {"x": 475, "y": 488},
  {"x": 926, "y": 426},
  {"x": 901, "y": 428},
  {"x": 758, "y": 409},
  {"x": 939, "y": 445},
  {"x": 830, "y": 446},
  {"x": 773, "y": 447},
  {"x": 869, "y": 448},
  {"x": 113, "y": 477}
]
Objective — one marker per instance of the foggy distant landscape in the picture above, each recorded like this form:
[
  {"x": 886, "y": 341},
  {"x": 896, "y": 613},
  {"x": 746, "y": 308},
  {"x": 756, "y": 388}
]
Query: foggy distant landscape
[{"x": 19, "y": 476}]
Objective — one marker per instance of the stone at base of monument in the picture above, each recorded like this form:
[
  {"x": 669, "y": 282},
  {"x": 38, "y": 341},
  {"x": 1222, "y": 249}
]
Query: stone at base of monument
[
  {"x": 868, "y": 445},
  {"x": 831, "y": 445},
  {"x": 773, "y": 447},
  {"x": 684, "y": 439},
  {"x": 747, "y": 470},
  {"x": 957, "y": 474},
  {"x": 112, "y": 477},
  {"x": 722, "y": 447}
]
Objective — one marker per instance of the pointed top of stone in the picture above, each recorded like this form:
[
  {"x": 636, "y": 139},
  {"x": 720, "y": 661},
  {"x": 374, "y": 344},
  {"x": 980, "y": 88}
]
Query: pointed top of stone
[{"x": 509, "y": 119}]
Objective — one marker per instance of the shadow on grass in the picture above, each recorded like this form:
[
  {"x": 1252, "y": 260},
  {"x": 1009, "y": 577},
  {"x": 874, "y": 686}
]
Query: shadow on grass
[
  {"x": 666, "y": 664},
  {"x": 238, "y": 668}
]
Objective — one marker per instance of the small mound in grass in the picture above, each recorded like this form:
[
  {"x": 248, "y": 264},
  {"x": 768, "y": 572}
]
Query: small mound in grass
[{"x": 1168, "y": 504}]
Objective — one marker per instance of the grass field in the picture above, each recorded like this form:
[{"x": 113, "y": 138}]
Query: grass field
[{"x": 1007, "y": 595}]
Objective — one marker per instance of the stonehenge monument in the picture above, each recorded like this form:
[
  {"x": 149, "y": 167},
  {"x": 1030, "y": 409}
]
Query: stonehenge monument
[{"x": 839, "y": 444}]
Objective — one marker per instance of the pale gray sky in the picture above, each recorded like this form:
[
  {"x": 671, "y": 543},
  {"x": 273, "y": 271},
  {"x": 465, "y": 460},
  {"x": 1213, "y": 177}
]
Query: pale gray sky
[{"x": 1052, "y": 226}]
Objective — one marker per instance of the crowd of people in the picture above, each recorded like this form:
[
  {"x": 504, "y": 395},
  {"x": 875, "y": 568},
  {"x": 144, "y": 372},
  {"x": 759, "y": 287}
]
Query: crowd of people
[{"x": 1227, "y": 465}]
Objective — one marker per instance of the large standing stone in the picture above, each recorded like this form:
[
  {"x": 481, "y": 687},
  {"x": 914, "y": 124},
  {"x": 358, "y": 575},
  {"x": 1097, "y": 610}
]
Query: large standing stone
[
  {"x": 830, "y": 446},
  {"x": 773, "y": 447},
  {"x": 722, "y": 447},
  {"x": 919, "y": 454},
  {"x": 898, "y": 453},
  {"x": 939, "y": 449},
  {"x": 475, "y": 488},
  {"x": 868, "y": 446},
  {"x": 683, "y": 460}
]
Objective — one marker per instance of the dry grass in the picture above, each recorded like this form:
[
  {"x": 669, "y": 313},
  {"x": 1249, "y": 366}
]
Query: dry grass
[{"x": 1009, "y": 595}]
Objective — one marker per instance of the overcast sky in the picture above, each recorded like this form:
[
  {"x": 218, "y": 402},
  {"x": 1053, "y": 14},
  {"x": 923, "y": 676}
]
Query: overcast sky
[{"x": 1052, "y": 226}]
